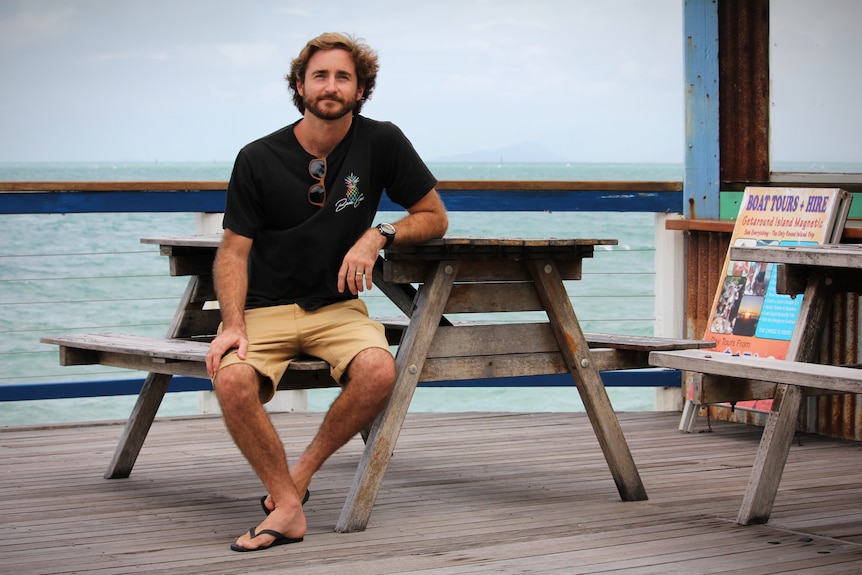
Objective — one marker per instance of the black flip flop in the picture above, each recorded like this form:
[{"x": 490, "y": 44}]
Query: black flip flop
[
  {"x": 268, "y": 511},
  {"x": 279, "y": 540}
]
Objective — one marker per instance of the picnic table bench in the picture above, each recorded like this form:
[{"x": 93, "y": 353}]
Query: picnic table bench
[
  {"x": 818, "y": 272},
  {"x": 186, "y": 357},
  {"x": 454, "y": 275}
]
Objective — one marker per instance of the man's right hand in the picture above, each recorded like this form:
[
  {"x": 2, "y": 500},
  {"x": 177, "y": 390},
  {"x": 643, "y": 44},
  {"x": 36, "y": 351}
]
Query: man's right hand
[{"x": 228, "y": 339}]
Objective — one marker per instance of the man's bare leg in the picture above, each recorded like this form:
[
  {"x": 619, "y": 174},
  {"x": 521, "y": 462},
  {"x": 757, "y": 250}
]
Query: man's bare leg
[
  {"x": 238, "y": 390},
  {"x": 369, "y": 381}
]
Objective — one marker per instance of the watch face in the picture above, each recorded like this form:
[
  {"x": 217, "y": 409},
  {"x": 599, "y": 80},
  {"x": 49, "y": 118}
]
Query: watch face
[{"x": 387, "y": 229}]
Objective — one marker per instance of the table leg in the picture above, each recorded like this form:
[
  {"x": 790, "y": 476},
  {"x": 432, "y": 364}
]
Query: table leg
[
  {"x": 402, "y": 295},
  {"x": 384, "y": 433},
  {"x": 784, "y": 414},
  {"x": 152, "y": 393},
  {"x": 138, "y": 425},
  {"x": 771, "y": 456},
  {"x": 576, "y": 352}
]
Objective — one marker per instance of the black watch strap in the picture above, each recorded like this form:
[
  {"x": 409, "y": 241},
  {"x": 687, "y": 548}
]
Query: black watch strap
[{"x": 388, "y": 232}]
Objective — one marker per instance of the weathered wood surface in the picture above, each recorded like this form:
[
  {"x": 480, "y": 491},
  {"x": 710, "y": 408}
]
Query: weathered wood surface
[
  {"x": 824, "y": 255},
  {"x": 507, "y": 349},
  {"x": 387, "y": 427},
  {"x": 841, "y": 265},
  {"x": 143, "y": 353},
  {"x": 579, "y": 360},
  {"x": 468, "y": 493},
  {"x": 771, "y": 456},
  {"x": 444, "y": 245},
  {"x": 829, "y": 377}
]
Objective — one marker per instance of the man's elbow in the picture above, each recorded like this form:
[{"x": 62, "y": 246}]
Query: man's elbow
[
  {"x": 439, "y": 215},
  {"x": 442, "y": 224}
]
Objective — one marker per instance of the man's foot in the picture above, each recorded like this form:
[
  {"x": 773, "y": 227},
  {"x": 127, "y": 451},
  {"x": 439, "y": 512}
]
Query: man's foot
[
  {"x": 265, "y": 499},
  {"x": 279, "y": 528},
  {"x": 279, "y": 539}
]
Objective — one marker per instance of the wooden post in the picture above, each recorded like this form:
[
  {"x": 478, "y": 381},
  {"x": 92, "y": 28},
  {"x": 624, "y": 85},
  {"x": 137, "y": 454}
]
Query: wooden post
[{"x": 701, "y": 184}]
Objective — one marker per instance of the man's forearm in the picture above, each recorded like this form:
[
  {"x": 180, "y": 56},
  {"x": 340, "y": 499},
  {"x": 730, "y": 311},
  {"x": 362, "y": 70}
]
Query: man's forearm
[
  {"x": 231, "y": 284},
  {"x": 425, "y": 221}
]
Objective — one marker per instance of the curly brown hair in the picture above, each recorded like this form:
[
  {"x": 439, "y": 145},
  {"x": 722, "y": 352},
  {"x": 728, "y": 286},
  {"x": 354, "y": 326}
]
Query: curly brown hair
[{"x": 364, "y": 58}]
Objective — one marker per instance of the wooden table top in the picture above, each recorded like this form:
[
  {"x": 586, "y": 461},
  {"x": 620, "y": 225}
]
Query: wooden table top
[
  {"x": 824, "y": 255},
  {"x": 189, "y": 241},
  {"x": 479, "y": 248},
  {"x": 449, "y": 246}
]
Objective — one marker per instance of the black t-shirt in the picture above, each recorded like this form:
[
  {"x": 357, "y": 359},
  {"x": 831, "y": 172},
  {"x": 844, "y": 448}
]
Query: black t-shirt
[{"x": 298, "y": 248}]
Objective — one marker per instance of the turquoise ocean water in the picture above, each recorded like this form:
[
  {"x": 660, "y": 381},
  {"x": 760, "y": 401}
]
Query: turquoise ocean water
[{"x": 89, "y": 272}]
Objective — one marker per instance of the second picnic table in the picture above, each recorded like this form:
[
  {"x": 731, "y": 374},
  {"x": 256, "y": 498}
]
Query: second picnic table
[{"x": 818, "y": 272}]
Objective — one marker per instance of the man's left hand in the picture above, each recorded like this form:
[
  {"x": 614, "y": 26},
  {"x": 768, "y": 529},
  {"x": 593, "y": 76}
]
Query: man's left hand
[{"x": 358, "y": 264}]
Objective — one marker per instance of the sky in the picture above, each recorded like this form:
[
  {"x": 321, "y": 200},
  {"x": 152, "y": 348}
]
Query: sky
[{"x": 466, "y": 80}]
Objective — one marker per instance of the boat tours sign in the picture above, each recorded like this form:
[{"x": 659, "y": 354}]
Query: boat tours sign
[{"x": 748, "y": 316}]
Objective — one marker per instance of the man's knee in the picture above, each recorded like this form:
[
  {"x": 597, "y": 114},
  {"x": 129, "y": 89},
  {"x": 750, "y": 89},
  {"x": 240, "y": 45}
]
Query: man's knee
[
  {"x": 374, "y": 370},
  {"x": 236, "y": 384}
]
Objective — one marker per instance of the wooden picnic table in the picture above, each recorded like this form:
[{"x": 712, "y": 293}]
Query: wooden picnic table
[
  {"x": 427, "y": 282},
  {"x": 817, "y": 272}
]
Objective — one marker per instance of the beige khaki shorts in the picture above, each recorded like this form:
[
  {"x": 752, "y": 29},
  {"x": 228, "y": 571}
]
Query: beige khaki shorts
[{"x": 335, "y": 333}]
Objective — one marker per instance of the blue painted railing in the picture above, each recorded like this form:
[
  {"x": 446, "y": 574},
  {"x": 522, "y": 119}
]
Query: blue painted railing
[
  {"x": 469, "y": 196},
  {"x": 132, "y": 386}
]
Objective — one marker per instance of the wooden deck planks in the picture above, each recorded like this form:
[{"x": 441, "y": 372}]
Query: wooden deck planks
[{"x": 465, "y": 493}]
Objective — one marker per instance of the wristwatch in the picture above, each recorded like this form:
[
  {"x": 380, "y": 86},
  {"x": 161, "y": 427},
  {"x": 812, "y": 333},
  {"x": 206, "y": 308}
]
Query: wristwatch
[{"x": 388, "y": 232}]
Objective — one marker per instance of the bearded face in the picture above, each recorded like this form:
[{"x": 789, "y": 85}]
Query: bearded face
[{"x": 330, "y": 89}]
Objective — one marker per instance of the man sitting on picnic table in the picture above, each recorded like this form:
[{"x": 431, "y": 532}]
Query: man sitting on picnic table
[{"x": 298, "y": 247}]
